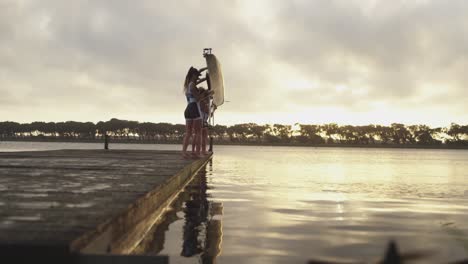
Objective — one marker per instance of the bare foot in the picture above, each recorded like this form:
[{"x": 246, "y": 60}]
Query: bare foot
[{"x": 186, "y": 155}]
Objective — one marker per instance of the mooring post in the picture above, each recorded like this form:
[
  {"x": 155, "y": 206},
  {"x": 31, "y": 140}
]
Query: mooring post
[
  {"x": 106, "y": 141},
  {"x": 211, "y": 145}
]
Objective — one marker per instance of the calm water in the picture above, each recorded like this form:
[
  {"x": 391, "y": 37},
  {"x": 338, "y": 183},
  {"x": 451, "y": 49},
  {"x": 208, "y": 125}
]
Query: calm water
[{"x": 288, "y": 204}]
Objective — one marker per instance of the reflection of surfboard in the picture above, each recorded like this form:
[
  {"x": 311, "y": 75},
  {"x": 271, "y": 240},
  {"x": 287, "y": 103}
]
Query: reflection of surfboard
[
  {"x": 216, "y": 81},
  {"x": 214, "y": 238},
  {"x": 214, "y": 230}
]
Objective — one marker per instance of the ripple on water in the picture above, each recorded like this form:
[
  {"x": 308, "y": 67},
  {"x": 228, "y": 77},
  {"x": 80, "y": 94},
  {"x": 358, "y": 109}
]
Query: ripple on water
[
  {"x": 291, "y": 211},
  {"x": 238, "y": 200},
  {"x": 72, "y": 185},
  {"x": 6, "y": 223}
]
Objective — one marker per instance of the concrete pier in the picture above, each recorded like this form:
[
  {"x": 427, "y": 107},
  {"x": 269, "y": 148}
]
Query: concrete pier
[{"x": 87, "y": 201}]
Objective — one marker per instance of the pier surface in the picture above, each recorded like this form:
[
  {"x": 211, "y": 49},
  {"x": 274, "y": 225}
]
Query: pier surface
[{"x": 88, "y": 201}]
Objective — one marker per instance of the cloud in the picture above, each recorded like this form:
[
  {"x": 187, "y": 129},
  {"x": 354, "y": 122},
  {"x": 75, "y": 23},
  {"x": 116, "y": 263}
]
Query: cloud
[{"x": 130, "y": 58}]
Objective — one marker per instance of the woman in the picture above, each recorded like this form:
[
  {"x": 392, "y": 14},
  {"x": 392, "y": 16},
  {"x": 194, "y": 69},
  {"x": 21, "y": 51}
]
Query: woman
[
  {"x": 205, "y": 110},
  {"x": 193, "y": 118}
]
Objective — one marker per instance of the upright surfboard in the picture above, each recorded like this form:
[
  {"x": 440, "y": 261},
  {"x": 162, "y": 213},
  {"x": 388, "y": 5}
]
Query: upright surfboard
[{"x": 215, "y": 79}]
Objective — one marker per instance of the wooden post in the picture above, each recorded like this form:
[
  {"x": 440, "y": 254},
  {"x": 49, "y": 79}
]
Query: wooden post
[
  {"x": 106, "y": 141},
  {"x": 211, "y": 145}
]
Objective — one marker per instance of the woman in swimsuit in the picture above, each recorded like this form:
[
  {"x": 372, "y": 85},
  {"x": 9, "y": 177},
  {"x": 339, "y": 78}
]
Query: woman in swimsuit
[
  {"x": 205, "y": 110},
  {"x": 193, "y": 117}
]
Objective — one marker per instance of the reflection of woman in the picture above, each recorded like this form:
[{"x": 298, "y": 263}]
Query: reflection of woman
[
  {"x": 202, "y": 229},
  {"x": 196, "y": 213},
  {"x": 193, "y": 117},
  {"x": 214, "y": 235},
  {"x": 201, "y": 234}
]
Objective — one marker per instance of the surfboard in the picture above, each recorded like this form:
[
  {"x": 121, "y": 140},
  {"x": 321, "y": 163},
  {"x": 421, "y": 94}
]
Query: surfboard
[{"x": 215, "y": 79}]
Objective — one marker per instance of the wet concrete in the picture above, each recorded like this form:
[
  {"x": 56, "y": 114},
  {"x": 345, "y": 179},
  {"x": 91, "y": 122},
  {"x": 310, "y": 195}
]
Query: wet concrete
[{"x": 91, "y": 201}]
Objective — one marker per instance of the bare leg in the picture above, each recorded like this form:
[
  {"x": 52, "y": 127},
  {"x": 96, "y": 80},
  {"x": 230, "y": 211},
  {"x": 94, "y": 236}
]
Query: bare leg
[
  {"x": 193, "y": 143},
  {"x": 188, "y": 135},
  {"x": 197, "y": 139},
  {"x": 204, "y": 139}
]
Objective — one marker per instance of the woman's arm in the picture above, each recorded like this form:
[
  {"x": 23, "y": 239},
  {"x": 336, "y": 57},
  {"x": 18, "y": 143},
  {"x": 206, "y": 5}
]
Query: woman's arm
[
  {"x": 205, "y": 95},
  {"x": 196, "y": 92},
  {"x": 199, "y": 94},
  {"x": 201, "y": 80}
]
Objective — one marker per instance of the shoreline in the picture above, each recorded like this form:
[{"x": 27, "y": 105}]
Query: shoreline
[{"x": 224, "y": 143}]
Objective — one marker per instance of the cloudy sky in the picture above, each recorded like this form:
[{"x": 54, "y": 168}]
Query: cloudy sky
[{"x": 349, "y": 62}]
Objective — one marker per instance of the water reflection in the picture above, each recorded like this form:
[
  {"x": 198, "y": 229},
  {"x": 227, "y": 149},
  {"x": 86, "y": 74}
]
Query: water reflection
[
  {"x": 290, "y": 205},
  {"x": 201, "y": 228}
]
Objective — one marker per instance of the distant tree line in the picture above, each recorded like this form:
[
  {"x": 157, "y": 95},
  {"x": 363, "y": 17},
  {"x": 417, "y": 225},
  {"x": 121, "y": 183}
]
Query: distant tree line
[{"x": 250, "y": 133}]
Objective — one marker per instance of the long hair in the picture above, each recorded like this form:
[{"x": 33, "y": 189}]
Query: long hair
[{"x": 192, "y": 71}]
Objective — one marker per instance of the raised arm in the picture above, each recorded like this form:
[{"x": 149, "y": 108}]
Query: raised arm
[
  {"x": 201, "y": 80},
  {"x": 206, "y": 94}
]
